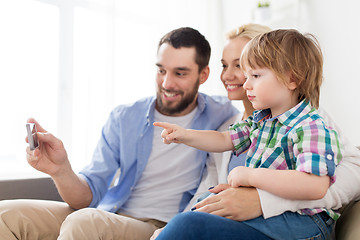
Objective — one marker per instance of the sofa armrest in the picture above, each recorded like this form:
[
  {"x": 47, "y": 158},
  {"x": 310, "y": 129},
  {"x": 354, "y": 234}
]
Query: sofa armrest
[
  {"x": 347, "y": 226},
  {"x": 37, "y": 188}
]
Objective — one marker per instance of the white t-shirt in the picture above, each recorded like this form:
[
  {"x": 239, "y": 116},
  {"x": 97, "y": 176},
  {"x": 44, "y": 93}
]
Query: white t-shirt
[{"x": 166, "y": 176}]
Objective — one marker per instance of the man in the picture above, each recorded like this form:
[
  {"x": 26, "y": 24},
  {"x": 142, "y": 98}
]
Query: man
[{"x": 155, "y": 180}]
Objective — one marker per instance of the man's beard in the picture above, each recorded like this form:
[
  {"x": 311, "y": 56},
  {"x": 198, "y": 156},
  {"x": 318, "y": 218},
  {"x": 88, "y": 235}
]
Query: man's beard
[{"x": 179, "y": 107}]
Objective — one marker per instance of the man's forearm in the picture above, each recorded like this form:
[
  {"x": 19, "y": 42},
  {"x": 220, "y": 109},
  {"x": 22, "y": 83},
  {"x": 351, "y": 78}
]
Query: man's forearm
[{"x": 73, "y": 189}]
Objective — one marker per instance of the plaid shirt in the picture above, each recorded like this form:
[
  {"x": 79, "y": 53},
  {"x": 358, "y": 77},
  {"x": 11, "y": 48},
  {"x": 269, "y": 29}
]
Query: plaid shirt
[{"x": 297, "y": 139}]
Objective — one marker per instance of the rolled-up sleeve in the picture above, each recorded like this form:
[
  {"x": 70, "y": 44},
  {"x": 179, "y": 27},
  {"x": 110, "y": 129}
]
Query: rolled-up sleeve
[
  {"x": 240, "y": 136},
  {"x": 317, "y": 149},
  {"x": 105, "y": 162}
]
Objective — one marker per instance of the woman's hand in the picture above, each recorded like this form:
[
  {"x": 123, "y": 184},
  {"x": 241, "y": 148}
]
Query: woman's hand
[{"x": 239, "y": 204}]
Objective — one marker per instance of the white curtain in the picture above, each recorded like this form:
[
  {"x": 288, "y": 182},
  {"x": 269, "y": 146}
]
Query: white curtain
[{"x": 29, "y": 58}]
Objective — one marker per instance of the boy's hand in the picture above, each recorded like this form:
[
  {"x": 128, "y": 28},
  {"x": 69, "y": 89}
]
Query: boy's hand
[
  {"x": 240, "y": 176},
  {"x": 172, "y": 133}
]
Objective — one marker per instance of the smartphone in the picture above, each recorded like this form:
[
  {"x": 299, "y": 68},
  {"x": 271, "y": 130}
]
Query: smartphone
[{"x": 32, "y": 137}]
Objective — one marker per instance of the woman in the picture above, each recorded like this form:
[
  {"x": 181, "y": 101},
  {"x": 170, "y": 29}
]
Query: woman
[
  {"x": 231, "y": 75},
  {"x": 233, "y": 78}
]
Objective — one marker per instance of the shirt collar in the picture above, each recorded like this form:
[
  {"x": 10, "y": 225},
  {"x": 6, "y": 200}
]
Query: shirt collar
[
  {"x": 150, "y": 110},
  {"x": 262, "y": 115},
  {"x": 288, "y": 118},
  {"x": 201, "y": 102}
]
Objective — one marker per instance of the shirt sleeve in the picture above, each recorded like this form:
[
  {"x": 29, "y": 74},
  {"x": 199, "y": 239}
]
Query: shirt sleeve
[
  {"x": 317, "y": 149},
  {"x": 240, "y": 135},
  {"x": 105, "y": 161}
]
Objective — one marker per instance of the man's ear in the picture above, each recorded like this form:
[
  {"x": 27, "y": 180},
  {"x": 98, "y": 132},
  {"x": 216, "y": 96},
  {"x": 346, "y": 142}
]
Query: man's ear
[{"x": 204, "y": 74}]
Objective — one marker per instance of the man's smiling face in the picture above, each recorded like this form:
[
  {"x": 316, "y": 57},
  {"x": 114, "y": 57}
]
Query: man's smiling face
[{"x": 177, "y": 80}]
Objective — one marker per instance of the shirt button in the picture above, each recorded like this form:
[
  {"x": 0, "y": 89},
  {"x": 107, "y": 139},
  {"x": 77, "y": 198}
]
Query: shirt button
[{"x": 329, "y": 157}]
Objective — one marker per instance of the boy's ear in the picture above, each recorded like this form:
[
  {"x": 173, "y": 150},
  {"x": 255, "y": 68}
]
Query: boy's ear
[{"x": 293, "y": 84}]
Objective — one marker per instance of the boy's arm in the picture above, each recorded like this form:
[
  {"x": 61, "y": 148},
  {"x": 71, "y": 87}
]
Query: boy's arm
[
  {"x": 290, "y": 184},
  {"x": 206, "y": 140},
  {"x": 342, "y": 192}
]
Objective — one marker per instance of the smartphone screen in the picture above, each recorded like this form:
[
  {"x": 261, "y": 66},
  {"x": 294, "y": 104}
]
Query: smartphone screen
[{"x": 32, "y": 137}]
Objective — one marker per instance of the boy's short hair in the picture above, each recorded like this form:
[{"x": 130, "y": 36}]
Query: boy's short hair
[
  {"x": 189, "y": 37},
  {"x": 288, "y": 51}
]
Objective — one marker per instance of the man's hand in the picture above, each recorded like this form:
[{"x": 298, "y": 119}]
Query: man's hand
[
  {"x": 239, "y": 204},
  {"x": 50, "y": 157},
  {"x": 172, "y": 133}
]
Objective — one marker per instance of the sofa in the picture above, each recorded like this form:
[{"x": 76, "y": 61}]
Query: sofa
[
  {"x": 347, "y": 227},
  {"x": 37, "y": 188}
]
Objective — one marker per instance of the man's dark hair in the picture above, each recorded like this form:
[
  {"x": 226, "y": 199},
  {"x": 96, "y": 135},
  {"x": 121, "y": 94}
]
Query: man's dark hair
[{"x": 189, "y": 37}]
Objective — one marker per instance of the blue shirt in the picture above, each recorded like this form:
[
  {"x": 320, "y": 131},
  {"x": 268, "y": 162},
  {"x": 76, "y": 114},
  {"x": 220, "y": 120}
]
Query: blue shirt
[
  {"x": 126, "y": 143},
  {"x": 237, "y": 160}
]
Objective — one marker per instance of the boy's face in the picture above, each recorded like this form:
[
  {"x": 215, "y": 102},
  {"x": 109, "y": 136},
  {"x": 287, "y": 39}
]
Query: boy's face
[
  {"x": 178, "y": 80},
  {"x": 264, "y": 90}
]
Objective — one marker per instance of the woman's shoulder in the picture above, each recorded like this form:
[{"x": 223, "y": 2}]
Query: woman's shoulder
[{"x": 230, "y": 121}]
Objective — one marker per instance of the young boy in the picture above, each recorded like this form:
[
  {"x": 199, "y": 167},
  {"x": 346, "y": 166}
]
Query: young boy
[{"x": 284, "y": 74}]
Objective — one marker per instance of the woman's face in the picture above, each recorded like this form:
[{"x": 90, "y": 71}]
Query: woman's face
[{"x": 231, "y": 75}]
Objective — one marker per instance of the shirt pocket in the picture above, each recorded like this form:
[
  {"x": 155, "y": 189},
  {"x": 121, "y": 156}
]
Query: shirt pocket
[{"x": 277, "y": 157}]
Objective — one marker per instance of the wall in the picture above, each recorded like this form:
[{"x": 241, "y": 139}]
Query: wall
[{"x": 335, "y": 23}]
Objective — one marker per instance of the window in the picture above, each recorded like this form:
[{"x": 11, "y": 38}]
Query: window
[
  {"x": 69, "y": 63},
  {"x": 29, "y": 76}
]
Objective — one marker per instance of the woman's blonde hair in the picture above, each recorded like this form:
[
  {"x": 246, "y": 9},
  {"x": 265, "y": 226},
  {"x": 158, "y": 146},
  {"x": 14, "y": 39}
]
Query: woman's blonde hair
[
  {"x": 288, "y": 52},
  {"x": 249, "y": 31}
]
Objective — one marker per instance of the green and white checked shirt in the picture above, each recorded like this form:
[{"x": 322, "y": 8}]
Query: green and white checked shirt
[{"x": 298, "y": 139}]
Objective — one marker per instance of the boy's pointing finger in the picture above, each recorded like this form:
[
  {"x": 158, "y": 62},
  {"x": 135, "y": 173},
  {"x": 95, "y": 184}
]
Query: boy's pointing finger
[{"x": 162, "y": 124}]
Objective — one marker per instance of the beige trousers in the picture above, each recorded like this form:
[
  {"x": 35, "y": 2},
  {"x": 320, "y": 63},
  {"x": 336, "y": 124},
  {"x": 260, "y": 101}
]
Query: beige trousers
[{"x": 37, "y": 219}]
